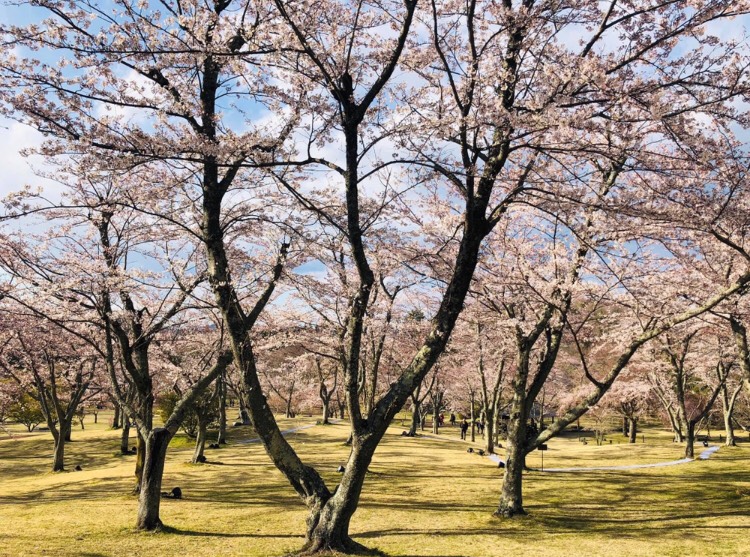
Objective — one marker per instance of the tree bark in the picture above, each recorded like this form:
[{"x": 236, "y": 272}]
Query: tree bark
[
  {"x": 125, "y": 436},
  {"x": 140, "y": 459},
  {"x": 471, "y": 414},
  {"x": 328, "y": 523},
  {"x": 632, "y": 429},
  {"x": 200, "y": 441},
  {"x": 511, "y": 496},
  {"x": 729, "y": 430},
  {"x": 326, "y": 411},
  {"x": 222, "y": 436},
  {"x": 153, "y": 471},
  {"x": 415, "y": 420},
  {"x": 116, "y": 417},
  {"x": 58, "y": 464},
  {"x": 689, "y": 439},
  {"x": 489, "y": 426}
]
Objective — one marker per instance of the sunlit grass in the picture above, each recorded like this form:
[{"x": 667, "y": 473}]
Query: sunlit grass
[{"x": 423, "y": 497}]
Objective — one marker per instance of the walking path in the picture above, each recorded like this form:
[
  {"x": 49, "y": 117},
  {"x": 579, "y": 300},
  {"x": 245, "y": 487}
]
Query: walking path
[
  {"x": 705, "y": 455},
  {"x": 285, "y": 432}
]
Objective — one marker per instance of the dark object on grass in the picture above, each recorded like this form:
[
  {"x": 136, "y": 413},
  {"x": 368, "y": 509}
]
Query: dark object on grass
[
  {"x": 340, "y": 469},
  {"x": 78, "y": 468},
  {"x": 176, "y": 493},
  {"x": 501, "y": 464},
  {"x": 469, "y": 450},
  {"x": 201, "y": 459},
  {"x": 134, "y": 450},
  {"x": 214, "y": 446},
  {"x": 480, "y": 452},
  {"x": 705, "y": 443},
  {"x": 237, "y": 424}
]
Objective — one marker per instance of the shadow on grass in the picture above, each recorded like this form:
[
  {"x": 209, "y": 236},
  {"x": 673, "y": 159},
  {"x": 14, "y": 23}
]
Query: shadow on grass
[{"x": 197, "y": 533}]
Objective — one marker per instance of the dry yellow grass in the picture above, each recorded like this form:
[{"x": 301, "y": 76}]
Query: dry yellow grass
[{"x": 423, "y": 498}]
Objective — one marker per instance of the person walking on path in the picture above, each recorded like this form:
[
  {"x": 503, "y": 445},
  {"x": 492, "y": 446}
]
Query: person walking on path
[
  {"x": 464, "y": 429},
  {"x": 453, "y": 419}
]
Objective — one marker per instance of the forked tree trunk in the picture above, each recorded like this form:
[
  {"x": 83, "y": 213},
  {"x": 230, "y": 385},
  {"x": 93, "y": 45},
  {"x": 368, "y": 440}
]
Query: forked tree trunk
[
  {"x": 511, "y": 495},
  {"x": 328, "y": 523},
  {"x": 125, "y": 436},
  {"x": 632, "y": 429},
  {"x": 326, "y": 410},
  {"x": 625, "y": 423},
  {"x": 153, "y": 470}
]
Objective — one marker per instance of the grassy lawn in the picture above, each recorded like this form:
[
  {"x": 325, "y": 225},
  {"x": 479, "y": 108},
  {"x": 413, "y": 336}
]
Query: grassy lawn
[{"x": 423, "y": 497}]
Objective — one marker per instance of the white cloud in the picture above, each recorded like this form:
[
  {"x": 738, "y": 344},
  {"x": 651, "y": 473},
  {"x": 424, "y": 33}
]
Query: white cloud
[{"x": 19, "y": 171}]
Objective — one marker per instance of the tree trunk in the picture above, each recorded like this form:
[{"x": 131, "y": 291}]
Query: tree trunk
[
  {"x": 289, "y": 408},
  {"x": 125, "y": 436},
  {"x": 153, "y": 471},
  {"x": 489, "y": 425},
  {"x": 729, "y": 429},
  {"x": 625, "y": 423},
  {"x": 222, "y": 437},
  {"x": 436, "y": 419},
  {"x": 116, "y": 417},
  {"x": 244, "y": 414},
  {"x": 328, "y": 522},
  {"x": 689, "y": 440},
  {"x": 326, "y": 411},
  {"x": 632, "y": 429},
  {"x": 200, "y": 441},
  {"x": 471, "y": 414},
  {"x": 511, "y": 496},
  {"x": 140, "y": 459},
  {"x": 58, "y": 464},
  {"x": 414, "y": 420}
]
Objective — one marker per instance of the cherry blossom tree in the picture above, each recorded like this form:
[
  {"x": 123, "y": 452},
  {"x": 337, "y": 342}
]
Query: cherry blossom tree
[{"x": 54, "y": 369}]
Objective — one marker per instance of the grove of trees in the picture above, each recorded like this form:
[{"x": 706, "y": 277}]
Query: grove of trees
[{"x": 519, "y": 210}]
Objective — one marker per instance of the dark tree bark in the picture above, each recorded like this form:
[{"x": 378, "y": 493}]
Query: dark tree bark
[
  {"x": 200, "y": 441},
  {"x": 221, "y": 438},
  {"x": 149, "y": 499},
  {"x": 511, "y": 494},
  {"x": 116, "y": 417},
  {"x": 125, "y": 436}
]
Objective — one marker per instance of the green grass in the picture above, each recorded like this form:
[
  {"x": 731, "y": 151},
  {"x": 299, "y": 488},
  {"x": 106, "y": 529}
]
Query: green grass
[{"x": 422, "y": 498}]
